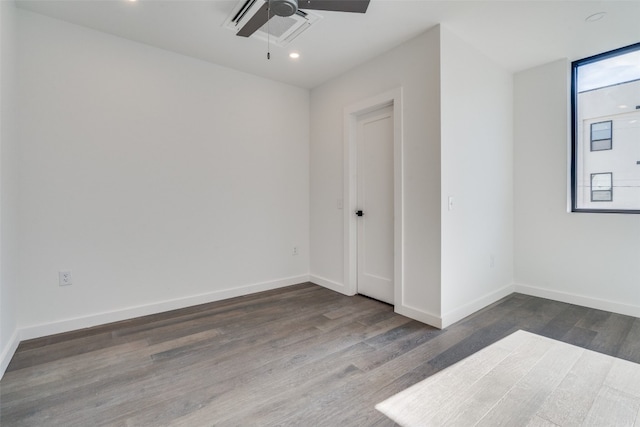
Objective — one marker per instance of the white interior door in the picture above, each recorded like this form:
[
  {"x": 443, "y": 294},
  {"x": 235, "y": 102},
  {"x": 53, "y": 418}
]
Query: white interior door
[{"x": 375, "y": 203}]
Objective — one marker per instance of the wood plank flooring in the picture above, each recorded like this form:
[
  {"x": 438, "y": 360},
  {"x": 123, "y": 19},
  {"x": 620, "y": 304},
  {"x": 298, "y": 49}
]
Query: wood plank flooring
[
  {"x": 524, "y": 380},
  {"x": 298, "y": 356}
]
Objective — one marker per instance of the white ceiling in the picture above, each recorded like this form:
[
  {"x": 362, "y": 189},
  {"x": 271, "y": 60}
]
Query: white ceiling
[{"x": 517, "y": 34}]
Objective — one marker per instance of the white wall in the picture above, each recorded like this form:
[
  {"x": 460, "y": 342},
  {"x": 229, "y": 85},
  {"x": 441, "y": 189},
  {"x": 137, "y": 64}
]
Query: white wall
[
  {"x": 477, "y": 171},
  {"x": 414, "y": 66},
  {"x": 161, "y": 181},
  {"x": 582, "y": 258},
  {"x": 8, "y": 193}
]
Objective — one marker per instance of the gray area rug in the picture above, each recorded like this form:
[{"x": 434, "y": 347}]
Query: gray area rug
[{"x": 524, "y": 380}]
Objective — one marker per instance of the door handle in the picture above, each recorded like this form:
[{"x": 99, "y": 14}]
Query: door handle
[{"x": 359, "y": 213}]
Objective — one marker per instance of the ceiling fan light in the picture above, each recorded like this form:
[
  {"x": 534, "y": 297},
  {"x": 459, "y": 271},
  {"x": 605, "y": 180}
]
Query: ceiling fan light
[{"x": 283, "y": 7}]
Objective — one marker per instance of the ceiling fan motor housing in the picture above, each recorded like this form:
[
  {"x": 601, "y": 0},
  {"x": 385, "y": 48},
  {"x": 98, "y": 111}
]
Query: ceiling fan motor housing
[{"x": 283, "y": 7}]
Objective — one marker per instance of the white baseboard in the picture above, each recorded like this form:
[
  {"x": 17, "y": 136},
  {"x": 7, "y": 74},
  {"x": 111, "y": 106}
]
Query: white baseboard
[
  {"x": 468, "y": 309},
  {"x": 9, "y": 351},
  {"x": 330, "y": 284},
  {"x": 419, "y": 315},
  {"x": 41, "y": 330},
  {"x": 597, "y": 303},
  {"x": 459, "y": 313}
]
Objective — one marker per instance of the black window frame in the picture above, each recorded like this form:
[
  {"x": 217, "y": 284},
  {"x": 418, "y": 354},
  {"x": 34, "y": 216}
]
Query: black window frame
[{"x": 574, "y": 128}]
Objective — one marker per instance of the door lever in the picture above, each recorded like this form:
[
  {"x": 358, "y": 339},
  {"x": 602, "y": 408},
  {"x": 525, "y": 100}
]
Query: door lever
[{"x": 359, "y": 213}]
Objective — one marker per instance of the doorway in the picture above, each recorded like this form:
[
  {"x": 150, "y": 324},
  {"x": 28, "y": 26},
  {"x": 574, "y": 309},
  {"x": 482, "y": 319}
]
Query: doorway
[{"x": 373, "y": 198}]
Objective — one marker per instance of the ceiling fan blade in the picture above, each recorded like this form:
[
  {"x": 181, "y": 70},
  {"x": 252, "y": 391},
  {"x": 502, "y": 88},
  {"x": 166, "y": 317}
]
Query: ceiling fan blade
[
  {"x": 358, "y": 6},
  {"x": 257, "y": 20}
]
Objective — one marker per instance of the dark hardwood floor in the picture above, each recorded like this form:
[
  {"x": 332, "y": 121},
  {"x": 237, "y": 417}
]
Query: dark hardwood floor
[{"x": 299, "y": 356}]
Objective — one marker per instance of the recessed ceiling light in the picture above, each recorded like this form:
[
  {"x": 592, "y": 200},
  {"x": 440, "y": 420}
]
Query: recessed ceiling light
[
  {"x": 294, "y": 55},
  {"x": 595, "y": 17},
  {"x": 623, "y": 106}
]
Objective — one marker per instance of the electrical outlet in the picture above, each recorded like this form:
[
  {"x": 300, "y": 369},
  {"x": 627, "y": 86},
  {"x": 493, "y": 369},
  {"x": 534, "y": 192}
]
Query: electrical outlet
[
  {"x": 295, "y": 250},
  {"x": 64, "y": 278}
]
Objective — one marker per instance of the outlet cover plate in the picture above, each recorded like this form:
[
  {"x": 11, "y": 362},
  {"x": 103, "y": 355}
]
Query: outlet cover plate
[{"x": 64, "y": 278}]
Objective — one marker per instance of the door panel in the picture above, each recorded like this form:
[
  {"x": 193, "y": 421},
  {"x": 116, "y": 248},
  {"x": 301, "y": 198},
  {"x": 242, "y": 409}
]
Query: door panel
[{"x": 375, "y": 199}]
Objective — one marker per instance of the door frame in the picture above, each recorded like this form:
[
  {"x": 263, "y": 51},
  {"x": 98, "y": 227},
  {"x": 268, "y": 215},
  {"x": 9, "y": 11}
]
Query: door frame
[{"x": 351, "y": 114}]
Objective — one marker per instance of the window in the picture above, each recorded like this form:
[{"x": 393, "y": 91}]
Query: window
[
  {"x": 605, "y": 106},
  {"x": 602, "y": 187},
  {"x": 601, "y": 136}
]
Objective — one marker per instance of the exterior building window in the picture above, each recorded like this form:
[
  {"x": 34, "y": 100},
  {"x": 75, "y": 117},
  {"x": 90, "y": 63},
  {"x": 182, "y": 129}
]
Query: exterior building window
[
  {"x": 601, "y": 136},
  {"x": 602, "y": 187},
  {"x": 605, "y": 104}
]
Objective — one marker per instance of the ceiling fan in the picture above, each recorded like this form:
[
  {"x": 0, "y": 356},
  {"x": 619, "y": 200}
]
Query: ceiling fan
[{"x": 285, "y": 8}]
